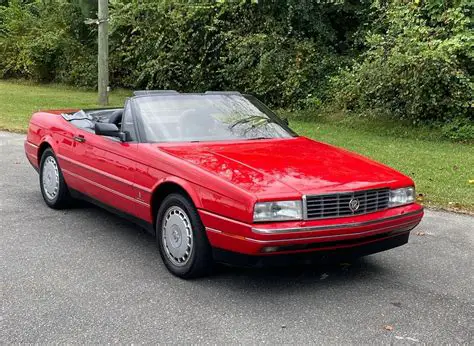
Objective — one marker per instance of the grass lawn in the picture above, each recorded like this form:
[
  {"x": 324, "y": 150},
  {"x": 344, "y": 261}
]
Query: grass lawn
[
  {"x": 441, "y": 169},
  {"x": 18, "y": 100}
]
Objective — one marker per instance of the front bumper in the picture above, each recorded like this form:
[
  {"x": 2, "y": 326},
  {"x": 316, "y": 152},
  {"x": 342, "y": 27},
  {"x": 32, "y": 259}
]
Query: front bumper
[
  {"x": 323, "y": 256},
  {"x": 309, "y": 236}
]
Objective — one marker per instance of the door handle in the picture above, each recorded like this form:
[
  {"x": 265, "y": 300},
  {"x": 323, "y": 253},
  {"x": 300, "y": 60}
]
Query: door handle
[{"x": 79, "y": 139}]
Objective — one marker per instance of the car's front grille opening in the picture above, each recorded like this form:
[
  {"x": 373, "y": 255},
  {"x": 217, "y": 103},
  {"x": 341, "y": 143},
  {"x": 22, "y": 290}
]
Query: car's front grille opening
[{"x": 346, "y": 204}]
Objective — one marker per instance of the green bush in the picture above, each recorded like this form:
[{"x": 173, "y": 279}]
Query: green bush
[
  {"x": 15, "y": 24},
  {"x": 283, "y": 51},
  {"x": 459, "y": 129},
  {"x": 418, "y": 67},
  {"x": 46, "y": 41},
  {"x": 408, "y": 59},
  {"x": 279, "y": 70},
  {"x": 224, "y": 45}
]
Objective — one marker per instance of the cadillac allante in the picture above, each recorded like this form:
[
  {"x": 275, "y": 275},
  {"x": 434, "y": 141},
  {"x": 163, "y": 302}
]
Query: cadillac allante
[{"x": 218, "y": 177}]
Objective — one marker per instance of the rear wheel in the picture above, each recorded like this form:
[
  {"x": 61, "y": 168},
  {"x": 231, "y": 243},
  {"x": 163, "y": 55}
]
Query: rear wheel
[
  {"x": 53, "y": 187},
  {"x": 181, "y": 237}
]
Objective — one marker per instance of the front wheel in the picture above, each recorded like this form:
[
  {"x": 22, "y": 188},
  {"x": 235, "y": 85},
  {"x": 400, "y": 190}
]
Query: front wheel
[
  {"x": 53, "y": 187},
  {"x": 181, "y": 237}
]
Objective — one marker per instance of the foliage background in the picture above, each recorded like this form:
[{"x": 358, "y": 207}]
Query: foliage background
[{"x": 410, "y": 60}]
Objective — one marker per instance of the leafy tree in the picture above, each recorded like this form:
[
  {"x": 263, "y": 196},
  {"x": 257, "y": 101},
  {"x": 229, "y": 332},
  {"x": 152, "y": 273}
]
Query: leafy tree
[
  {"x": 409, "y": 59},
  {"x": 46, "y": 41},
  {"x": 418, "y": 65}
]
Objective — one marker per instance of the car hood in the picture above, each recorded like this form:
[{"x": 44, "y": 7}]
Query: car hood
[{"x": 278, "y": 167}]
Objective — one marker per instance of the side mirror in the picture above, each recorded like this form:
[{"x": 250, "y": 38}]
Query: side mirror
[{"x": 109, "y": 129}]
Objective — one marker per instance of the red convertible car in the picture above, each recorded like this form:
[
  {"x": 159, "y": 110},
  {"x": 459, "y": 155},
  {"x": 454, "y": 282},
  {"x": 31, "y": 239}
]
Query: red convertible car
[{"x": 217, "y": 176}]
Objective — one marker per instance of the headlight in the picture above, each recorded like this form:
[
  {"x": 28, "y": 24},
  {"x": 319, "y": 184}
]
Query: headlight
[
  {"x": 277, "y": 211},
  {"x": 402, "y": 196}
]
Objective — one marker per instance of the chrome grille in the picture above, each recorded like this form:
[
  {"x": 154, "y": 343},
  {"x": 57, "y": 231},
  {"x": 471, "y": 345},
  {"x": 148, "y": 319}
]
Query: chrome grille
[{"x": 337, "y": 204}]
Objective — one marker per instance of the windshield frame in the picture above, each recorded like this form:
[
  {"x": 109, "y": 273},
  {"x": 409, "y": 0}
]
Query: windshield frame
[{"x": 140, "y": 127}]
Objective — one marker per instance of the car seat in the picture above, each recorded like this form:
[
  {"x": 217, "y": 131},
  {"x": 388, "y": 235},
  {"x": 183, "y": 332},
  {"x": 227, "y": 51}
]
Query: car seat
[{"x": 116, "y": 118}]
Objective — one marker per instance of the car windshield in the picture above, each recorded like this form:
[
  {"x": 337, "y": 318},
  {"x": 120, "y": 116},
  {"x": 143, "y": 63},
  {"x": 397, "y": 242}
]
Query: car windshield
[{"x": 206, "y": 117}]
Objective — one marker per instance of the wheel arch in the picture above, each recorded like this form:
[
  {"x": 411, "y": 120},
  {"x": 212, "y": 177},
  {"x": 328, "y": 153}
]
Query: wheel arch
[
  {"x": 41, "y": 149},
  {"x": 168, "y": 187}
]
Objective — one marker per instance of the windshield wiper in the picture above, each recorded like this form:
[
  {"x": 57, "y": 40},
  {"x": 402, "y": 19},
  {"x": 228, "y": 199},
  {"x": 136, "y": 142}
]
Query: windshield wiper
[
  {"x": 258, "y": 138},
  {"x": 253, "y": 120}
]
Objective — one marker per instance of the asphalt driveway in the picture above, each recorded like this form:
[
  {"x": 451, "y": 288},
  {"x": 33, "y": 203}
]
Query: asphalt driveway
[{"x": 86, "y": 276}]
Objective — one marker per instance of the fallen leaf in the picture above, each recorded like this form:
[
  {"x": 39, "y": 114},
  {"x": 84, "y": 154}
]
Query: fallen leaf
[
  {"x": 420, "y": 233},
  {"x": 420, "y": 197},
  {"x": 406, "y": 338},
  {"x": 455, "y": 167},
  {"x": 412, "y": 339},
  {"x": 471, "y": 181},
  {"x": 388, "y": 327}
]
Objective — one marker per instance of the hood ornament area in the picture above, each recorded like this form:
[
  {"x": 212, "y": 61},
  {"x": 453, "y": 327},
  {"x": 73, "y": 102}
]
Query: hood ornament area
[{"x": 354, "y": 204}]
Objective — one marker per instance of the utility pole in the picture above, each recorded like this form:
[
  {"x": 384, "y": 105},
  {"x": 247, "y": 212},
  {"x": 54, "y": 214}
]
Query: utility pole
[{"x": 103, "y": 56}]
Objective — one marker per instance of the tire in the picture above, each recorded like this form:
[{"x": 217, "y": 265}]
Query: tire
[
  {"x": 182, "y": 240},
  {"x": 53, "y": 187}
]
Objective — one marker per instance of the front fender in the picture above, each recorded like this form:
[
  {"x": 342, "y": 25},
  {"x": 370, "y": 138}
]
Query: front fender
[{"x": 185, "y": 185}]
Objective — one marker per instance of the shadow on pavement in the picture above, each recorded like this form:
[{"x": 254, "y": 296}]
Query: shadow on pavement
[{"x": 322, "y": 275}]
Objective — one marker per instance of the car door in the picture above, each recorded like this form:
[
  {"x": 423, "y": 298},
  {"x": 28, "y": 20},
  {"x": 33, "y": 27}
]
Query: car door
[
  {"x": 70, "y": 154},
  {"x": 107, "y": 166}
]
